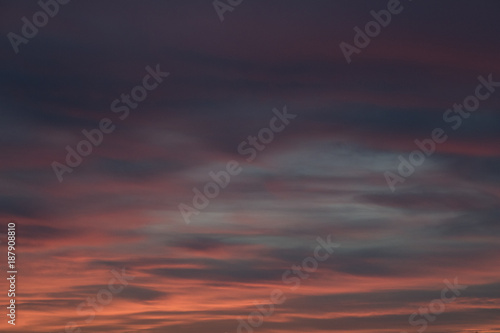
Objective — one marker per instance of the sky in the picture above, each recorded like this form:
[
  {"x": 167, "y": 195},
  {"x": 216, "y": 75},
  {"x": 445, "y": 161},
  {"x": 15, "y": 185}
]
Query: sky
[{"x": 272, "y": 154}]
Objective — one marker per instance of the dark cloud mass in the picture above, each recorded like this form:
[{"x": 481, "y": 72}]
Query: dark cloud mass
[{"x": 323, "y": 173}]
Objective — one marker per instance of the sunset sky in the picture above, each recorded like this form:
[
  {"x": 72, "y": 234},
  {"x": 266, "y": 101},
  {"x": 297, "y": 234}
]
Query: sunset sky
[{"x": 321, "y": 178}]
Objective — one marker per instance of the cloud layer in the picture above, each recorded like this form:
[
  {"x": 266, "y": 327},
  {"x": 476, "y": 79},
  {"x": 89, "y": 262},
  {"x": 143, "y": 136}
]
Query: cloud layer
[{"x": 323, "y": 175}]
